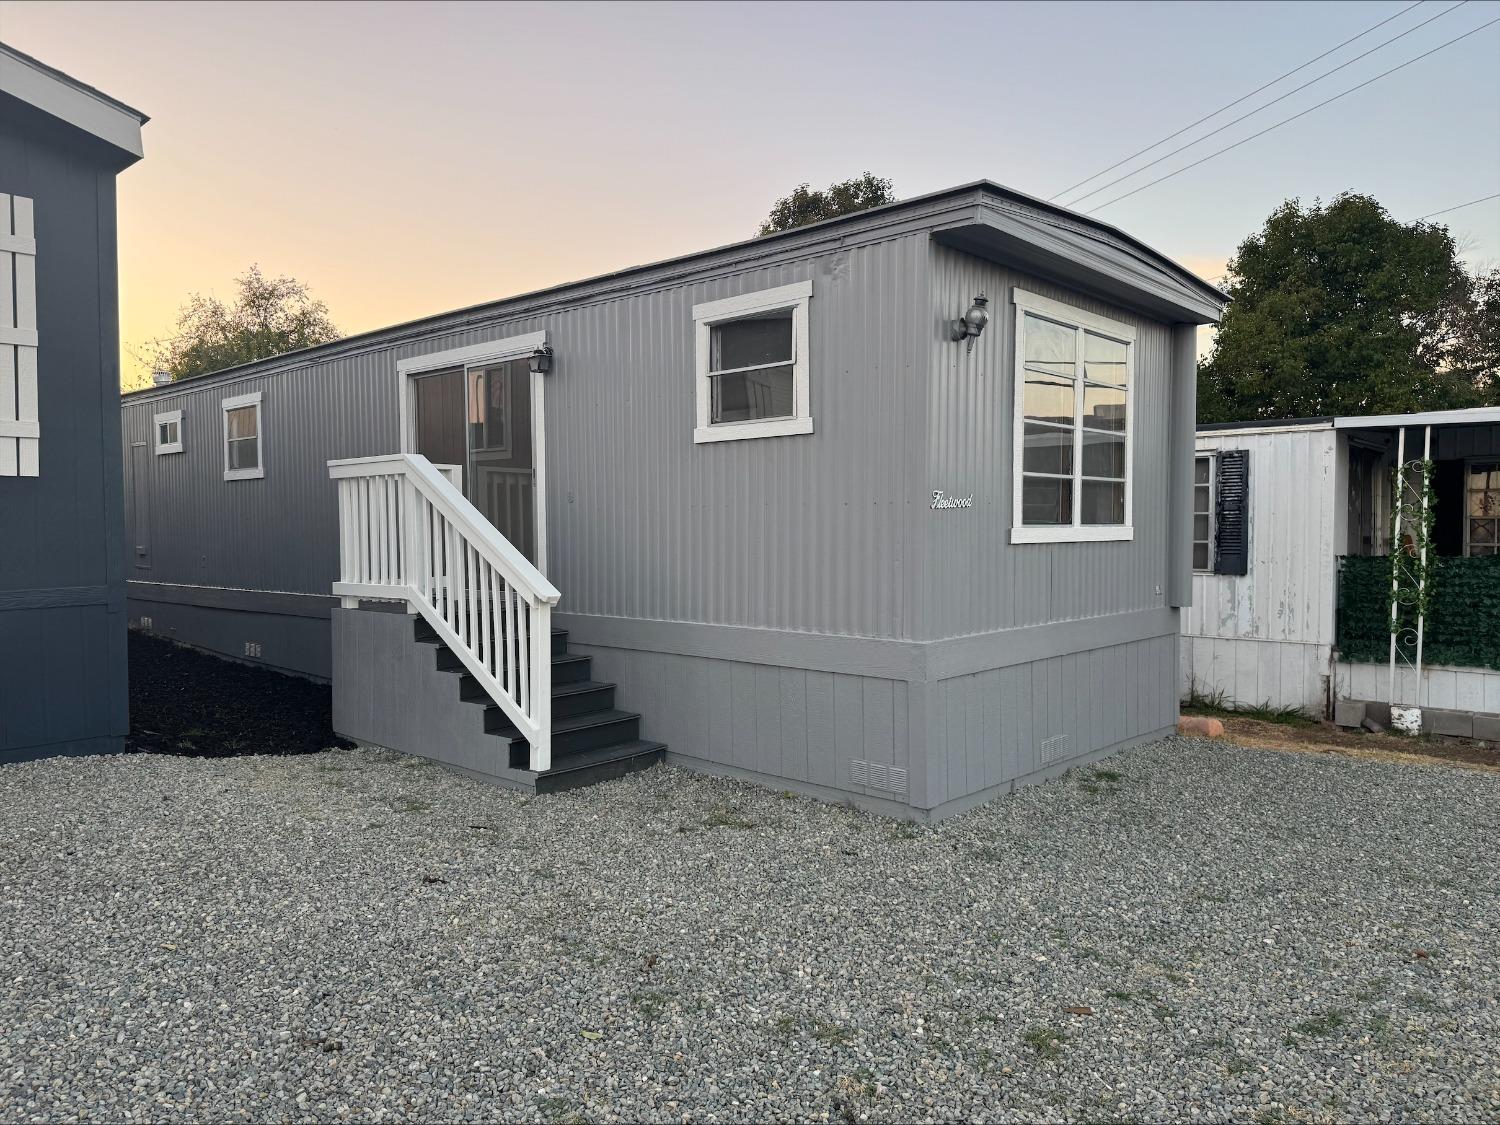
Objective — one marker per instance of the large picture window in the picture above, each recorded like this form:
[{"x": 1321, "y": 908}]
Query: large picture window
[
  {"x": 1073, "y": 414},
  {"x": 753, "y": 365}
]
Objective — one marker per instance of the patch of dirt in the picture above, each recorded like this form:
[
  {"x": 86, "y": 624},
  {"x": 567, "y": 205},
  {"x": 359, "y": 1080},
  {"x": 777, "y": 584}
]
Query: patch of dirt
[
  {"x": 1325, "y": 738},
  {"x": 187, "y": 702}
]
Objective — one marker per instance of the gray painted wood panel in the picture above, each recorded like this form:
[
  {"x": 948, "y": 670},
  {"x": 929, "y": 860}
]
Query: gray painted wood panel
[{"x": 62, "y": 654}]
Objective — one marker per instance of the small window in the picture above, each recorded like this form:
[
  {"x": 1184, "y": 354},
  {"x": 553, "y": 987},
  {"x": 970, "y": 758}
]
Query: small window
[
  {"x": 1482, "y": 506},
  {"x": 244, "y": 447},
  {"x": 169, "y": 432},
  {"x": 753, "y": 365},
  {"x": 1203, "y": 514},
  {"x": 1074, "y": 376}
]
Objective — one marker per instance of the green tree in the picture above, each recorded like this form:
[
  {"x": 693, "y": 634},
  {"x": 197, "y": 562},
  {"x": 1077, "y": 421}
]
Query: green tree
[
  {"x": 269, "y": 316},
  {"x": 805, "y": 206},
  {"x": 1340, "y": 309}
]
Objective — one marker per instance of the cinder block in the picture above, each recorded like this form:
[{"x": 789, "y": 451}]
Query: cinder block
[
  {"x": 1454, "y": 724},
  {"x": 1380, "y": 712},
  {"x": 1487, "y": 727},
  {"x": 1349, "y": 712}
]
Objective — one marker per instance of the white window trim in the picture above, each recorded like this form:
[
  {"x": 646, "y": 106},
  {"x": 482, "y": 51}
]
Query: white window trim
[
  {"x": 1079, "y": 320},
  {"x": 157, "y": 421},
  {"x": 228, "y": 404},
  {"x": 1213, "y": 503},
  {"x": 797, "y": 297}
]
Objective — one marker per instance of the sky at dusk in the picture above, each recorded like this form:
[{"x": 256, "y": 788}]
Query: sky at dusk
[{"x": 404, "y": 159}]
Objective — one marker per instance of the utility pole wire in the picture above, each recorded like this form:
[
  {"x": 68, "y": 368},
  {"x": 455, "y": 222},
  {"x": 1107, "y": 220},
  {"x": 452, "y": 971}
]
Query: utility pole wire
[
  {"x": 1237, "y": 101},
  {"x": 1457, "y": 206},
  {"x": 1418, "y": 219},
  {"x": 1293, "y": 117},
  {"x": 1268, "y": 105}
]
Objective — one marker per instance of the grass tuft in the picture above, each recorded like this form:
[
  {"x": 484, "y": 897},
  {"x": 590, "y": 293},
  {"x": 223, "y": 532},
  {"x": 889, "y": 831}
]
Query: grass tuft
[{"x": 1045, "y": 1041}]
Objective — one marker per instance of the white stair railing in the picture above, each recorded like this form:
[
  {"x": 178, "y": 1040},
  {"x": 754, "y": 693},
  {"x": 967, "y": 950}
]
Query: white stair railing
[{"x": 407, "y": 533}]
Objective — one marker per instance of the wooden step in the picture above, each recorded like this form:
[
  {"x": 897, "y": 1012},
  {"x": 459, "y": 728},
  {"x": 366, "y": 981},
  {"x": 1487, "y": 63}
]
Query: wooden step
[
  {"x": 603, "y": 764},
  {"x": 577, "y": 698},
  {"x": 575, "y": 734}
]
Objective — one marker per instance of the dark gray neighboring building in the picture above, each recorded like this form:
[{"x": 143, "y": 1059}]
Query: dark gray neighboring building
[
  {"x": 798, "y": 523},
  {"x": 62, "y": 555}
]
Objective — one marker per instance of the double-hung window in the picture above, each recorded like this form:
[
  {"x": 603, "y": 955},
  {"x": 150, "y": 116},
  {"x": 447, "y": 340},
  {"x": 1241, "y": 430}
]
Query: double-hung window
[
  {"x": 244, "y": 449},
  {"x": 1203, "y": 513},
  {"x": 752, "y": 365},
  {"x": 1074, "y": 381},
  {"x": 168, "y": 432}
]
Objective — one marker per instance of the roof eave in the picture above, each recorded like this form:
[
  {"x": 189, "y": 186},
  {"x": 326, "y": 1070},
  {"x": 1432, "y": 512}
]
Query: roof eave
[{"x": 75, "y": 103}]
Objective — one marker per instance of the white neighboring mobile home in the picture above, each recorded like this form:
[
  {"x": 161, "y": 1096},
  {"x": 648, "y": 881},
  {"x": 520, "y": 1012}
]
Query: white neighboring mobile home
[{"x": 1277, "y": 504}]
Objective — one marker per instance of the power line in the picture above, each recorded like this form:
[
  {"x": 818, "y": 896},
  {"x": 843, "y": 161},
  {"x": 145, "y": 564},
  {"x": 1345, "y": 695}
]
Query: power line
[
  {"x": 1418, "y": 219},
  {"x": 1267, "y": 105},
  {"x": 1237, "y": 101},
  {"x": 1457, "y": 207},
  {"x": 1293, "y": 117}
]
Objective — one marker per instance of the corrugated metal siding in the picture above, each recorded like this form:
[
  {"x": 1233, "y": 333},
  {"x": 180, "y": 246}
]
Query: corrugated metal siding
[
  {"x": 278, "y": 532},
  {"x": 1289, "y": 593},
  {"x": 642, "y": 522},
  {"x": 977, "y": 581}
]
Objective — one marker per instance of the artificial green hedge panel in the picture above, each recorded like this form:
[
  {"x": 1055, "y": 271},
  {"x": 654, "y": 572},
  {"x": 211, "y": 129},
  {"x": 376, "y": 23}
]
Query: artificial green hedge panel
[{"x": 1463, "y": 622}]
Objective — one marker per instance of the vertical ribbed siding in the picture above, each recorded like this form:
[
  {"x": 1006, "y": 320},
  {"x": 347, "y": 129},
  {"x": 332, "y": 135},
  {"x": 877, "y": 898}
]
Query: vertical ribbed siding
[
  {"x": 805, "y": 533},
  {"x": 647, "y": 524},
  {"x": 278, "y": 532},
  {"x": 978, "y": 580},
  {"x": 1289, "y": 591}
]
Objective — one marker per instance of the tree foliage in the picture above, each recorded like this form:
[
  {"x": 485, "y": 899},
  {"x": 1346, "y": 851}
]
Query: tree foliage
[
  {"x": 269, "y": 316},
  {"x": 1340, "y": 309},
  {"x": 805, "y": 206}
]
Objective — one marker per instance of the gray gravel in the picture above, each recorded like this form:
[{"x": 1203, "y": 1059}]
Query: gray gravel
[{"x": 1253, "y": 935}]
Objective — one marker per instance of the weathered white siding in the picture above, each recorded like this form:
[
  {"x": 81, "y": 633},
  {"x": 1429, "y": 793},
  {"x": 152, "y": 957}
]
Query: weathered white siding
[
  {"x": 1453, "y": 689},
  {"x": 1267, "y": 636}
]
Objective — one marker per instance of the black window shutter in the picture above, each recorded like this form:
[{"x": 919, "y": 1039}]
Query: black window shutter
[{"x": 1232, "y": 513}]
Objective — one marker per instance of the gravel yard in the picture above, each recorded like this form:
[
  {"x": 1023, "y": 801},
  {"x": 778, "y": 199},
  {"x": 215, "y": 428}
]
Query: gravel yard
[{"x": 1190, "y": 931}]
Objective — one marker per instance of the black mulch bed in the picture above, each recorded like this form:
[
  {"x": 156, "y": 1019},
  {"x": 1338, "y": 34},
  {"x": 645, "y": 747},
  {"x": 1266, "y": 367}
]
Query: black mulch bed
[{"x": 186, "y": 702}]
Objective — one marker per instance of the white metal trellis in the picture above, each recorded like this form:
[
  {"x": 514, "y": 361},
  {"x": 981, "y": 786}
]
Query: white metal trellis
[{"x": 1411, "y": 512}]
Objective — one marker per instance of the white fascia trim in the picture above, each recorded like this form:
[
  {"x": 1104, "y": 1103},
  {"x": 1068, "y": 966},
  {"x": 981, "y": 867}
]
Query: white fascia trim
[
  {"x": 1478, "y": 415},
  {"x": 156, "y": 424},
  {"x": 1086, "y": 534},
  {"x": 759, "y": 301},
  {"x": 491, "y": 351},
  {"x": 1056, "y": 310},
  {"x": 738, "y": 431},
  {"x": 78, "y": 107}
]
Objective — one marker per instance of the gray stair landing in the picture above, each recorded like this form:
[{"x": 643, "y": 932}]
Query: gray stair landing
[{"x": 592, "y": 739}]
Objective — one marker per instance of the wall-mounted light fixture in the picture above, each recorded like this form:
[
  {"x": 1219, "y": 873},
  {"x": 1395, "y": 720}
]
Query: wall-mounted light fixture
[
  {"x": 971, "y": 324},
  {"x": 541, "y": 360}
]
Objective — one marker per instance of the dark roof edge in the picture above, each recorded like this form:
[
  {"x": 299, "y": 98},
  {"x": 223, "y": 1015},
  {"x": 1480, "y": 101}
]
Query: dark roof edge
[
  {"x": 1265, "y": 424},
  {"x": 811, "y": 234},
  {"x": 68, "y": 79}
]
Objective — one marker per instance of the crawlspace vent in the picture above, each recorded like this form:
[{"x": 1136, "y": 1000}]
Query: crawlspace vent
[
  {"x": 1056, "y": 748},
  {"x": 876, "y": 775}
]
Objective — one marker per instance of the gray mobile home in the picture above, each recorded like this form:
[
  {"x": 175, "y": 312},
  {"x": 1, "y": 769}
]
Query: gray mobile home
[
  {"x": 62, "y": 559},
  {"x": 894, "y": 508}
]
